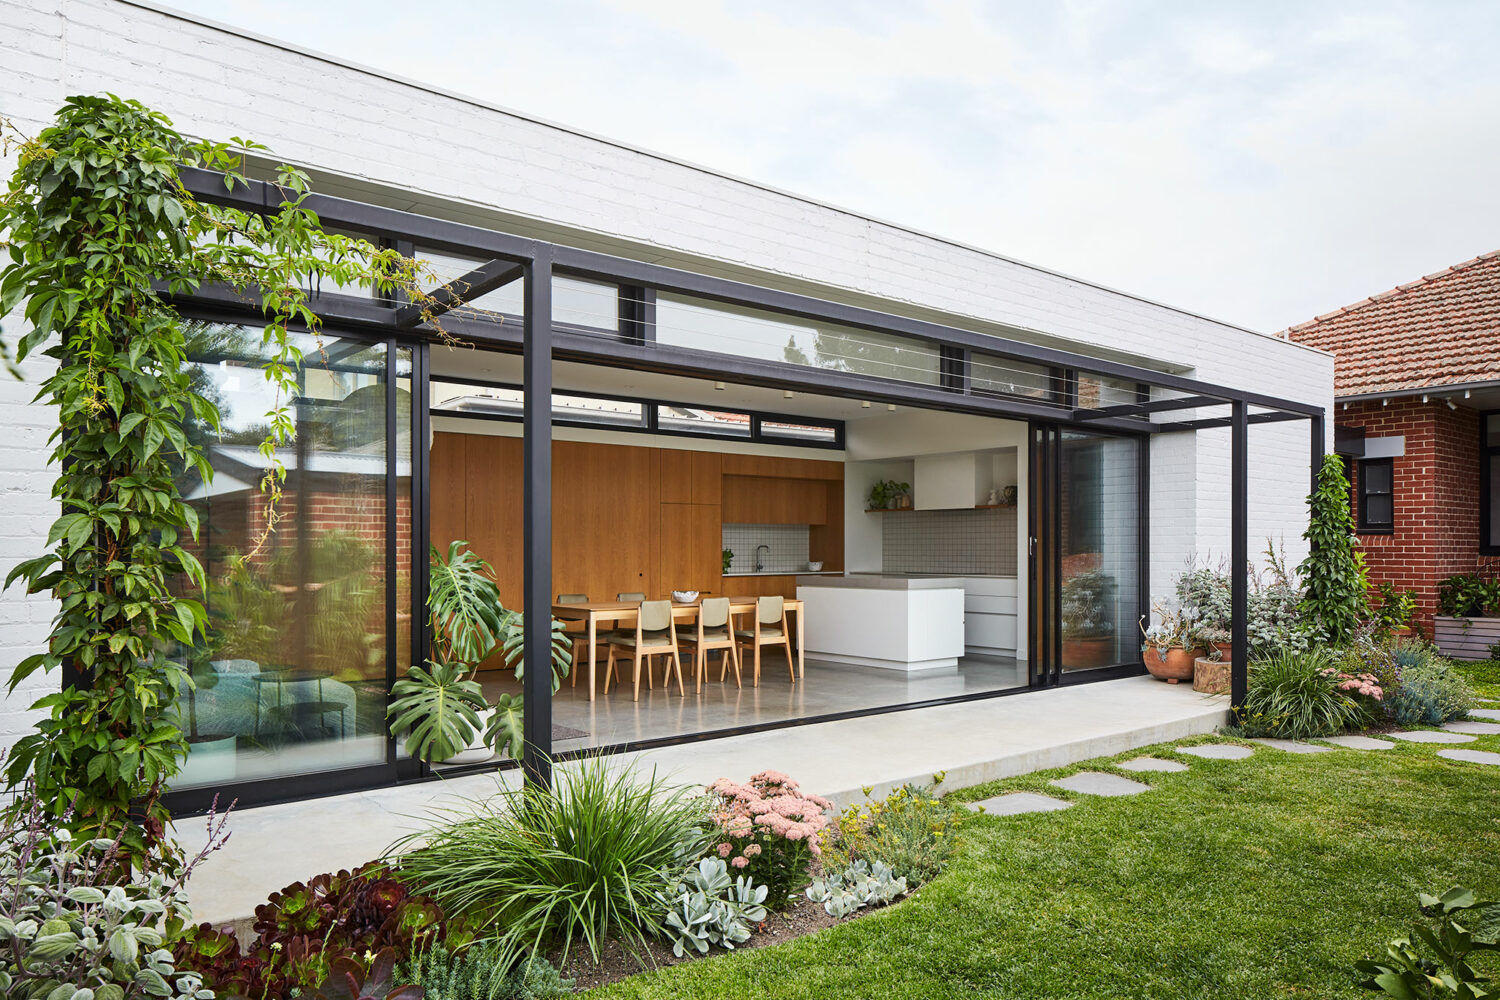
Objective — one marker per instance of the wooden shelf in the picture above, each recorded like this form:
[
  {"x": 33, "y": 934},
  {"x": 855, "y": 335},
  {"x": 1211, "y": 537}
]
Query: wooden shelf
[{"x": 908, "y": 510}]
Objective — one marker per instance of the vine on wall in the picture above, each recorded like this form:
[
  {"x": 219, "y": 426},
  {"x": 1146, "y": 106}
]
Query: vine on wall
[{"x": 97, "y": 224}]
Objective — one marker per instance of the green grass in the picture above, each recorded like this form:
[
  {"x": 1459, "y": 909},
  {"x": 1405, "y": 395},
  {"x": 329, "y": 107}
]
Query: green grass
[
  {"x": 1267, "y": 877},
  {"x": 1484, "y": 675}
]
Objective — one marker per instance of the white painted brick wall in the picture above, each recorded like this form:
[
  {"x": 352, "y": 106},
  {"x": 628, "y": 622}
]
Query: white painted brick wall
[{"x": 452, "y": 151}]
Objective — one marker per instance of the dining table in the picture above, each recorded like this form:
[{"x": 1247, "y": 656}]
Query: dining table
[{"x": 614, "y": 614}]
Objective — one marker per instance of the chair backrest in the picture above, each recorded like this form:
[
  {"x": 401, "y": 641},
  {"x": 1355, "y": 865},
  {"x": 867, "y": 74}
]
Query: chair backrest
[
  {"x": 655, "y": 616},
  {"x": 713, "y": 612},
  {"x": 572, "y": 598},
  {"x": 630, "y": 595},
  {"x": 769, "y": 610}
]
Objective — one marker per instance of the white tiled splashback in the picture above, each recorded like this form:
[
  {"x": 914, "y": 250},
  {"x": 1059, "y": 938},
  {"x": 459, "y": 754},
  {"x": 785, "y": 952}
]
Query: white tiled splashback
[
  {"x": 788, "y": 547},
  {"x": 950, "y": 541}
]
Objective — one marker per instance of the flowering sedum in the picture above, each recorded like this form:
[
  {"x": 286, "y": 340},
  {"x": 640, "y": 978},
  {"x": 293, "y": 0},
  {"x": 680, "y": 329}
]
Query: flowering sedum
[{"x": 768, "y": 829}]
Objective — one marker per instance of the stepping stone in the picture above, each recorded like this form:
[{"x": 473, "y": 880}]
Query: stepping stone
[
  {"x": 1151, "y": 764},
  {"x": 1472, "y": 756},
  {"x": 1290, "y": 746},
  {"x": 1486, "y": 713},
  {"x": 1427, "y": 736},
  {"x": 1359, "y": 742},
  {"x": 1099, "y": 783},
  {"x": 1217, "y": 751},
  {"x": 1015, "y": 803},
  {"x": 1477, "y": 728}
]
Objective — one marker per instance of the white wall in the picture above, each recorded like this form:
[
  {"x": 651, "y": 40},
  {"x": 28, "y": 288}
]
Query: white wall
[{"x": 414, "y": 147}]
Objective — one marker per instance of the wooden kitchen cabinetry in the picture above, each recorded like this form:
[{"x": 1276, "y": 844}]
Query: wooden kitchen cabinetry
[
  {"x": 762, "y": 500},
  {"x": 689, "y": 547}
]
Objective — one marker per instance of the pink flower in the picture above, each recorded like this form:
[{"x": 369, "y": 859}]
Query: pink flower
[
  {"x": 724, "y": 850},
  {"x": 739, "y": 862}
]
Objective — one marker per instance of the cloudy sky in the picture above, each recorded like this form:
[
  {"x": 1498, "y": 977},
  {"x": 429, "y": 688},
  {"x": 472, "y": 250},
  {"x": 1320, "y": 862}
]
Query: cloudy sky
[{"x": 1258, "y": 162}]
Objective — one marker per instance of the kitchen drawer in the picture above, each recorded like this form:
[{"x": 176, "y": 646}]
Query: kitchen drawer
[
  {"x": 990, "y": 586},
  {"x": 984, "y": 604},
  {"x": 990, "y": 631}
]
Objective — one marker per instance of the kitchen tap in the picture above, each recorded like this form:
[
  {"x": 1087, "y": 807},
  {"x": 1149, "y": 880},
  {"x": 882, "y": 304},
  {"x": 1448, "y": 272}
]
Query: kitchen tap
[{"x": 758, "y": 564}]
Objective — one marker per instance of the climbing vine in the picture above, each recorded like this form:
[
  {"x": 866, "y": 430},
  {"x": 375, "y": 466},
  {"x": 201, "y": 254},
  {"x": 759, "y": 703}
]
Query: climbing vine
[
  {"x": 1333, "y": 571},
  {"x": 98, "y": 226}
]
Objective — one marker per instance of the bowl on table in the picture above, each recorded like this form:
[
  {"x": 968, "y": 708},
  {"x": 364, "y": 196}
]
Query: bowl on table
[
  {"x": 684, "y": 596},
  {"x": 814, "y": 567}
]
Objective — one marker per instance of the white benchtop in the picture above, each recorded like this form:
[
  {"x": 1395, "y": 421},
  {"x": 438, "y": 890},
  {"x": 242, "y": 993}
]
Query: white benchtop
[{"x": 894, "y": 581}]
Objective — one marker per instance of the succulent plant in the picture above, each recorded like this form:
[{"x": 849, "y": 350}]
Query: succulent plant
[
  {"x": 710, "y": 907},
  {"x": 861, "y": 884},
  {"x": 348, "y": 980}
]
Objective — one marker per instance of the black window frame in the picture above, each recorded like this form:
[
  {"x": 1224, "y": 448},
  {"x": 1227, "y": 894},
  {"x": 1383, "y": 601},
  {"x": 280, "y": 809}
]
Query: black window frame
[
  {"x": 1363, "y": 524},
  {"x": 1489, "y": 537}
]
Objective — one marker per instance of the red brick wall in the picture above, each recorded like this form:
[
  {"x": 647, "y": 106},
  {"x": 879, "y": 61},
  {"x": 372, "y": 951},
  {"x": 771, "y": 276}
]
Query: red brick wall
[{"x": 1436, "y": 496}]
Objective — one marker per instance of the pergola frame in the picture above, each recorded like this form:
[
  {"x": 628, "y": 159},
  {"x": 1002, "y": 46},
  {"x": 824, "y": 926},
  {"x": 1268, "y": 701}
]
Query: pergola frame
[{"x": 505, "y": 257}]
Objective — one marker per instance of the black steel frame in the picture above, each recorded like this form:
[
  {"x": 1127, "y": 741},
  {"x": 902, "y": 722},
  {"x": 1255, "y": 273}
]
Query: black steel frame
[
  {"x": 541, "y": 342},
  {"x": 1362, "y": 493},
  {"x": 1489, "y": 539}
]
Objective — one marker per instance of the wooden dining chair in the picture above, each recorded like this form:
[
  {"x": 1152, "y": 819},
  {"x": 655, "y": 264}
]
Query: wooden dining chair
[
  {"x": 578, "y": 632},
  {"x": 770, "y": 630},
  {"x": 653, "y": 636},
  {"x": 630, "y": 595},
  {"x": 712, "y": 631}
]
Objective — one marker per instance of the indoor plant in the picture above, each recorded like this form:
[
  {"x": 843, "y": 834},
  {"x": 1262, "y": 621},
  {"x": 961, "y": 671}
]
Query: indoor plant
[
  {"x": 887, "y": 493},
  {"x": 1169, "y": 648},
  {"x": 1088, "y": 626},
  {"x": 439, "y": 709}
]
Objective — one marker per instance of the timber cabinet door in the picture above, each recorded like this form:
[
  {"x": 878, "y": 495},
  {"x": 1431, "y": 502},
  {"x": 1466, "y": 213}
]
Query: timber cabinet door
[{"x": 691, "y": 541}]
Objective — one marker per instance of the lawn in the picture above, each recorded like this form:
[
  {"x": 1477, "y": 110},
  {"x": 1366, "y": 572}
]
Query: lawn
[{"x": 1267, "y": 877}]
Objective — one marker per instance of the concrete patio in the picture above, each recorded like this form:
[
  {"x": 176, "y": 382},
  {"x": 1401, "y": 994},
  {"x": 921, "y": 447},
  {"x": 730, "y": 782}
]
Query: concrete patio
[{"x": 974, "y": 742}]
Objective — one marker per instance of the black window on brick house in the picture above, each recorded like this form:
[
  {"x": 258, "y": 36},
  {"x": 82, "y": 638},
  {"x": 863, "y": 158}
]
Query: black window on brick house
[
  {"x": 1489, "y": 484},
  {"x": 1375, "y": 507}
]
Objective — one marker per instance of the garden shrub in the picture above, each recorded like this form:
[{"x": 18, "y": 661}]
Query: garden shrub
[
  {"x": 862, "y": 884},
  {"x": 302, "y": 929},
  {"x": 479, "y": 973},
  {"x": 1299, "y": 696},
  {"x": 911, "y": 830},
  {"x": 71, "y": 927},
  {"x": 1459, "y": 928},
  {"x": 711, "y": 907},
  {"x": 769, "y": 828},
  {"x": 1429, "y": 694},
  {"x": 586, "y": 860},
  {"x": 1333, "y": 572}
]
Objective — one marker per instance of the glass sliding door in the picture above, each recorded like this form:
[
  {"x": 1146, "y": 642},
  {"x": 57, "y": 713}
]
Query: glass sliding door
[
  {"x": 293, "y": 676},
  {"x": 1088, "y": 553}
]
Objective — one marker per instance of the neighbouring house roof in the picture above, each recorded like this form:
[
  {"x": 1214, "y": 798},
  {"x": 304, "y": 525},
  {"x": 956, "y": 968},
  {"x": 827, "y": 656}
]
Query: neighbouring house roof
[{"x": 1443, "y": 329}]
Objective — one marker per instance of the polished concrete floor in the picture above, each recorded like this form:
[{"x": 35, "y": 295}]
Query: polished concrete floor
[
  {"x": 825, "y": 689},
  {"x": 973, "y": 741}
]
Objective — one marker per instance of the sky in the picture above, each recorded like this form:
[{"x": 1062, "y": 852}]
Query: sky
[{"x": 1258, "y": 162}]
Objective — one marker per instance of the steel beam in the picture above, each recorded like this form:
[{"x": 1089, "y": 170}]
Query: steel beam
[
  {"x": 536, "y": 519},
  {"x": 1153, "y": 406},
  {"x": 1239, "y": 554},
  {"x": 1208, "y": 423},
  {"x": 460, "y": 291}
]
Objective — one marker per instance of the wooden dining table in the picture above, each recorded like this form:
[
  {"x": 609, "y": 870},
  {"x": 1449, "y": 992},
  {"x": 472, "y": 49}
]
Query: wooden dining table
[{"x": 618, "y": 613}]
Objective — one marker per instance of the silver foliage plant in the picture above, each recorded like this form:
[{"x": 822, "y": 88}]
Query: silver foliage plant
[
  {"x": 709, "y": 907},
  {"x": 76, "y": 924},
  {"x": 861, "y": 884}
]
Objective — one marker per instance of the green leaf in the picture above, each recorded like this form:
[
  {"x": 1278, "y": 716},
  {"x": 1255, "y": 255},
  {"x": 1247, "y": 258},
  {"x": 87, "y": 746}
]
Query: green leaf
[{"x": 437, "y": 709}]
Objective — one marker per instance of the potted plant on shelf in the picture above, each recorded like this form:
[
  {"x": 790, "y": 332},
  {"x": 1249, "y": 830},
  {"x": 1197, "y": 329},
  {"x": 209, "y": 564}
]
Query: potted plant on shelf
[
  {"x": 728, "y": 557},
  {"x": 1088, "y": 624},
  {"x": 887, "y": 494},
  {"x": 1170, "y": 648},
  {"x": 441, "y": 709}
]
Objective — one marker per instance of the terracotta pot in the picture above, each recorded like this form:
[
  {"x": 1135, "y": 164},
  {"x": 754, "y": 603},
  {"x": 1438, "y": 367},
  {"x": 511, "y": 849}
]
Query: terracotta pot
[
  {"x": 1225, "y": 650},
  {"x": 1173, "y": 666},
  {"x": 1081, "y": 654}
]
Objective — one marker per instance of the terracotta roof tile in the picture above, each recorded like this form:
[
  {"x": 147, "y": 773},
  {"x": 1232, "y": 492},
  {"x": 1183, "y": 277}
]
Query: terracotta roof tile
[{"x": 1438, "y": 330}]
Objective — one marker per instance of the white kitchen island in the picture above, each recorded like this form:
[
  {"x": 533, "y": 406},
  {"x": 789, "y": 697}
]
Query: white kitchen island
[{"x": 908, "y": 623}]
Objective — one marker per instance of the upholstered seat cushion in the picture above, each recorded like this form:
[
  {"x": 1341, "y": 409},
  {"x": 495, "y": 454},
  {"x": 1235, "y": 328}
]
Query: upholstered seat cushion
[
  {"x": 766, "y": 632},
  {"x": 689, "y": 633},
  {"x": 650, "y": 640}
]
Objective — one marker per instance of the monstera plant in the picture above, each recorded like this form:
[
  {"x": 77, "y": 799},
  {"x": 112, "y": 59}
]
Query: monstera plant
[{"x": 440, "y": 708}]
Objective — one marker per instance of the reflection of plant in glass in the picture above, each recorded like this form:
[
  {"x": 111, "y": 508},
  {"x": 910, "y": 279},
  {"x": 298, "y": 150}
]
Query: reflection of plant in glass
[{"x": 1088, "y": 600}]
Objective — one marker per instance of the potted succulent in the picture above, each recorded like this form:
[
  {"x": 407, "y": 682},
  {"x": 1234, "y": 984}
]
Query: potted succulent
[
  {"x": 887, "y": 494},
  {"x": 1170, "y": 646},
  {"x": 1088, "y": 625},
  {"x": 1218, "y": 641},
  {"x": 440, "y": 708}
]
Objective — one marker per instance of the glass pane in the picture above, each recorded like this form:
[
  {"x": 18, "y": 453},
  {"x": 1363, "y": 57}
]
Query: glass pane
[
  {"x": 700, "y": 421},
  {"x": 405, "y": 524},
  {"x": 456, "y": 397},
  {"x": 1097, "y": 390},
  {"x": 1100, "y": 550},
  {"x": 1377, "y": 477},
  {"x": 1492, "y": 430},
  {"x": 992, "y": 374},
  {"x": 768, "y": 336},
  {"x": 799, "y": 432},
  {"x": 1493, "y": 526},
  {"x": 1379, "y": 510},
  {"x": 575, "y": 302},
  {"x": 292, "y": 676}
]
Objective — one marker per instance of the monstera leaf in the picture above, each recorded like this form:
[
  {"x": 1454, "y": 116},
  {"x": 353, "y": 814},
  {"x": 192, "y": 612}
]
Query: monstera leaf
[
  {"x": 464, "y": 602},
  {"x": 505, "y": 734},
  {"x": 437, "y": 709}
]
